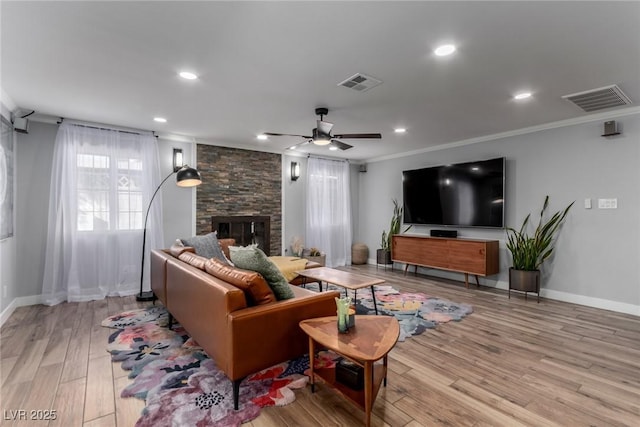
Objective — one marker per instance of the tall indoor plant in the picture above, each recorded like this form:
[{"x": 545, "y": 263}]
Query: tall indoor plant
[
  {"x": 530, "y": 251},
  {"x": 383, "y": 254}
]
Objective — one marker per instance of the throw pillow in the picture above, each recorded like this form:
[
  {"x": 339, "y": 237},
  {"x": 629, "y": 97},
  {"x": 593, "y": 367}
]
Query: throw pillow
[
  {"x": 206, "y": 245},
  {"x": 255, "y": 287},
  {"x": 252, "y": 258}
]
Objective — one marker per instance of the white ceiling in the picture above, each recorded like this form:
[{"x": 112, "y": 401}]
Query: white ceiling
[{"x": 265, "y": 66}]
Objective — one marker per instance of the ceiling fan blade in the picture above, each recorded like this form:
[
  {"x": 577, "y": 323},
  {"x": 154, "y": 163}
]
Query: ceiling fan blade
[
  {"x": 324, "y": 127},
  {"x": 341, "y": 145},
  {"x": 300, "y": 144},
  {"x": 359, "y": 135},
  {"x": 286, "y": 134}
]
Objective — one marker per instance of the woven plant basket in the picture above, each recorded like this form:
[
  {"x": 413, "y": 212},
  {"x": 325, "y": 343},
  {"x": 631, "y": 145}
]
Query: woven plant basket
[{"x": 359, "y": 253}]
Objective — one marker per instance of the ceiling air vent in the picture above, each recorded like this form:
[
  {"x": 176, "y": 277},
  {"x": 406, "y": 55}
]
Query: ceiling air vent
[
  {"x": 599, "y": 99},
  {"x": 360, "y": 82}
]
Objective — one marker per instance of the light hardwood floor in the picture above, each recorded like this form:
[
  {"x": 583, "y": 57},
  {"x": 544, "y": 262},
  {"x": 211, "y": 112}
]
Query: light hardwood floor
[{"x": 512, "y": 362}]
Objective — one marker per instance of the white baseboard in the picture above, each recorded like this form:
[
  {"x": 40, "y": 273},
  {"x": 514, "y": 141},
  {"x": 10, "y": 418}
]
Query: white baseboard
[
  {"x": 19, "y": 302},
  {"x": 619, "y": 307},
  {"x": 605, "y": 304}
]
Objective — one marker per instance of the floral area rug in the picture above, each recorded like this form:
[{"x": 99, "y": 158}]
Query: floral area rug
[
  {"x": 182, "y": 386},
  {"x": 415, "y": 311}
]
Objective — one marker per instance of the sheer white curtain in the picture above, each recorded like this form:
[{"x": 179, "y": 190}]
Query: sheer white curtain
[
  {"x": 101, "y": 183},
  {"x": 328, "y": 222}
]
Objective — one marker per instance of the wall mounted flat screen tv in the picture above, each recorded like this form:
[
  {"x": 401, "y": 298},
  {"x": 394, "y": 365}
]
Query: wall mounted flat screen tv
[{"x": 464, "y": 194}]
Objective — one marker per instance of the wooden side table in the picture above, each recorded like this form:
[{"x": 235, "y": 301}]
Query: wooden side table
[{"x": 370, "y": 340}]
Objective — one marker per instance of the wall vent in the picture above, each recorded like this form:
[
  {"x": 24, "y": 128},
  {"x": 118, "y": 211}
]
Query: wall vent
[
  {"x": 360, "y": 82},
  {"x": 599, "y": 99}
]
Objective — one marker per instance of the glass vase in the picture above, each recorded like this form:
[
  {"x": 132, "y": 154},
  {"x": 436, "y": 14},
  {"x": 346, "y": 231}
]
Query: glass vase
[
  {"x": 342, "y": 305},
  {"x": 343, "y": 324}
]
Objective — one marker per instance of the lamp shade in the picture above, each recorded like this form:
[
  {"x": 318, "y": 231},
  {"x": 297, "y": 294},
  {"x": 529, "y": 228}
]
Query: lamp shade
[{"x": 188, "y": 177}]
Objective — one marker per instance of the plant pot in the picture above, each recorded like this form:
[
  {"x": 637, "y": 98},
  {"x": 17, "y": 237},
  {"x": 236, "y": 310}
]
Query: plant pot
[
  {"x": 320, "y": 259},
  {"x": 524, "y": 281},
  {"x": 383, "y": 257}
]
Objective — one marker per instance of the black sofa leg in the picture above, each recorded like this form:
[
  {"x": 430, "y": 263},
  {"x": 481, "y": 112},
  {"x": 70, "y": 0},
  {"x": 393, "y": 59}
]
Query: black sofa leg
[
  {"x": 236, "y": 392},
  {"x": 170, "y": 321}
]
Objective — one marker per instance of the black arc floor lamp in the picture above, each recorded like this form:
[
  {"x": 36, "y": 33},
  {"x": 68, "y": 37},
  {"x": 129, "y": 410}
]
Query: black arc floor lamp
[{"x": 186, "y": 177}]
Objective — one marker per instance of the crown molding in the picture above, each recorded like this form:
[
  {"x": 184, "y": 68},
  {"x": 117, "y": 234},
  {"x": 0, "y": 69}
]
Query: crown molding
[{"x": 532, "y": 129}]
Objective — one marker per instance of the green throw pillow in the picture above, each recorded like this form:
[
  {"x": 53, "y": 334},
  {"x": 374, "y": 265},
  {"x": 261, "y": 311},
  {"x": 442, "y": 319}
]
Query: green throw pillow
[{"x": 252, "y": 258}]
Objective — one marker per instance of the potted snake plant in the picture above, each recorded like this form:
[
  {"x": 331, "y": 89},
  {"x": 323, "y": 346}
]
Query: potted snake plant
[
  {"x": 528, "y": 252},
  {"x": 383, "y": 255}
]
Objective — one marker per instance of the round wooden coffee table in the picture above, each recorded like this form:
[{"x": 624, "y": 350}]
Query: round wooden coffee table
[{"x": 370, "y": 340}]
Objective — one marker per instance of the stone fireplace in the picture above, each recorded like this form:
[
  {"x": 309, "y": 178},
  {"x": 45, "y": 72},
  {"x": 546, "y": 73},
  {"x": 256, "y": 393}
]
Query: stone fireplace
[{"x": 241, "y": 184}]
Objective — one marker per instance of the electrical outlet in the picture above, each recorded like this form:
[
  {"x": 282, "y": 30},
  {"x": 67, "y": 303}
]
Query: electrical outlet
[
  {"x": 5, "y": 291},
  {"x": 607, "y": 203}
]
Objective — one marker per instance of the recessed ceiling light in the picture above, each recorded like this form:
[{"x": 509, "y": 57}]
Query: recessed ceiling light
[
  {"x": 262, "y": 136},
  {"x": 445, "y": 49},
  {"x": 292, "y": 148},
  {"x": 160, "y": 119},
  {"x": 188, "y": 75},
  {"x": 333, "y": 148},
  {"x": 522, "y": 95},
  {"x": 399, "y": 130}
]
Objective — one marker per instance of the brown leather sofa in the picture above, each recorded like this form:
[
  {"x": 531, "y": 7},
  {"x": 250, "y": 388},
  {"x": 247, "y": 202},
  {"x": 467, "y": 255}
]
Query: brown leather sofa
[{"x": 240, "y": 338}]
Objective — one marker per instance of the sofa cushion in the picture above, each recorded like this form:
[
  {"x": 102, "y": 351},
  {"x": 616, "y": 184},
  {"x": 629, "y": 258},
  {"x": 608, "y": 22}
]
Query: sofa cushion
[
  {"x": 198, "y": 261},
  {"x": 252, "y": 258},
  {"x": 255, "y": 287},
  {"x": 206, "y": 245},
  {"x": 178, "y": 247}
]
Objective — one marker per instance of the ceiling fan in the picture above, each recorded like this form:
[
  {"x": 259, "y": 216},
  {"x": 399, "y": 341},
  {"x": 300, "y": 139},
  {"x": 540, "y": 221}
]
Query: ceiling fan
[{"x": 321, "y": 134}]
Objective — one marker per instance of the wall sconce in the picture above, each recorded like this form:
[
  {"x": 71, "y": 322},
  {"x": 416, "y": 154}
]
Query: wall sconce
[
  {"x": 295, "y": 171},
  {"x": 178, "y": 161}
]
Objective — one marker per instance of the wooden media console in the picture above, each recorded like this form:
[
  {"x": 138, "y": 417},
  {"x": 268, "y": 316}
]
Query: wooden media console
[{"x": 468, "y": 256}]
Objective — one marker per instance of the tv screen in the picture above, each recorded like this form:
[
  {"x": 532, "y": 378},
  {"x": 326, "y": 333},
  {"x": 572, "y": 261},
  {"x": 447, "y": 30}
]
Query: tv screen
[{"x": 464, "y": 194}]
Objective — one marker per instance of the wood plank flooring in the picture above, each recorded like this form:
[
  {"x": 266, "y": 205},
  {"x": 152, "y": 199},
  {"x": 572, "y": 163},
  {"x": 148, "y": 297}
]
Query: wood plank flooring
[{"x": 511, "y": 363}]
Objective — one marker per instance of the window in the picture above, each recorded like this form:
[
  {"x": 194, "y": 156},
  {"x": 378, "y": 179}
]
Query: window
[
  {"x": 109, "y": 193},
  {"x": 328, "y": 213},
  {"x": 100, "y": 181}
]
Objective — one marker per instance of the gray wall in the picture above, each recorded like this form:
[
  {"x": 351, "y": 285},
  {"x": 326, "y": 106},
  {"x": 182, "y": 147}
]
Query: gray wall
[
  {"x": 178, "y": 204},
  {"x": 294, "y": 201},
  {"x": 7, "y": 249},
  {"x": 34, "y": 156},
  {"x": 597, "y": 252}
]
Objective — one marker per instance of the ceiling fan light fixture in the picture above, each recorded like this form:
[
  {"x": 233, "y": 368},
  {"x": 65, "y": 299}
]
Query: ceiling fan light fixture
[{"x": 321, "y": 140}]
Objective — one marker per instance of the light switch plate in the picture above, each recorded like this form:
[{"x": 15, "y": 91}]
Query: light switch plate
[{"x": 587, "y": 203}]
